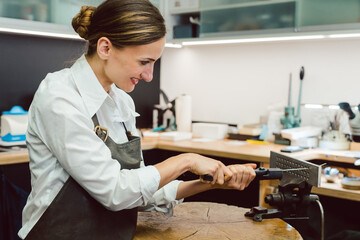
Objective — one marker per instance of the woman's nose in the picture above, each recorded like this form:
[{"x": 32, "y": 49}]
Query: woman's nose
[{"x": 147, "y": 75}]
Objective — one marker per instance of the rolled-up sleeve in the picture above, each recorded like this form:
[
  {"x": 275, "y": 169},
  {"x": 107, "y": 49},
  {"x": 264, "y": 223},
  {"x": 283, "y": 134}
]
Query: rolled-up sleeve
[
  {"x": 149, "y": 182},
  {"x": 164, "y": 200}
]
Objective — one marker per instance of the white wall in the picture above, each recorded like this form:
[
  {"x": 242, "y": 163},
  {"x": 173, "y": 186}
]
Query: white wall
[{"x": 237, "y": 83}]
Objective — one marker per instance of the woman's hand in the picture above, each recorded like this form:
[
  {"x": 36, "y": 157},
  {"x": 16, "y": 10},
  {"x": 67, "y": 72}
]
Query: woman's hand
[
  {"x": 242, "y": 175},
  {"x": 201, "y": 165},
  {"x": 174, "y": 166}
]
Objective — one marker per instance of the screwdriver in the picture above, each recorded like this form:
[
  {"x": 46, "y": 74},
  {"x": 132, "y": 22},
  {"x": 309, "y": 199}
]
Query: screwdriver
[{"x": 261, "y": 173}]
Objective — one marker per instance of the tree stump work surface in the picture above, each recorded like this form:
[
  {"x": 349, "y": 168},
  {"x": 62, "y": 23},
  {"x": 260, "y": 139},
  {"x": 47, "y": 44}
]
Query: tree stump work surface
[{"x": 210, "y": 221}]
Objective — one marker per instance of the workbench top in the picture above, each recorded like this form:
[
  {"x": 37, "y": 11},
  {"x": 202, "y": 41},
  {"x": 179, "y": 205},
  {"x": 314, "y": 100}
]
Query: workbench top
[
  {"x": 256, "y": 152},
  {"x": 205, "y": 220}
]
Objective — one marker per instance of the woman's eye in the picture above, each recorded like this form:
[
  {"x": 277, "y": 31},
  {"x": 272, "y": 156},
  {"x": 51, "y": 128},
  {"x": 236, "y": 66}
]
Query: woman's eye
[{"x": 144, "y": 62}]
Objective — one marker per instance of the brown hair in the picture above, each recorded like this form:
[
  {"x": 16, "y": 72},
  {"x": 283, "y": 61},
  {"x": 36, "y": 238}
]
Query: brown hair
[{"x": 123, "y": 22}]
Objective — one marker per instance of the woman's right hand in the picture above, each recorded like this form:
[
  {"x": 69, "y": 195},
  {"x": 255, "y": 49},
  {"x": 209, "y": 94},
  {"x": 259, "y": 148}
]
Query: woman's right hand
[{"x": 201, "y": 165}]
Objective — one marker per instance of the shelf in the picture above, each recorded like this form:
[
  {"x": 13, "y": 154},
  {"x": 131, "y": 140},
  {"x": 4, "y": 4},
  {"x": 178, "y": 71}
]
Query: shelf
[
  {"x": 248, "y": 33},
  {"x": 336, "y": 190},
  {"x": 184, "y": 11},
  {"x": 243, "y": 5},
  {"x": 36, "y": 28}
]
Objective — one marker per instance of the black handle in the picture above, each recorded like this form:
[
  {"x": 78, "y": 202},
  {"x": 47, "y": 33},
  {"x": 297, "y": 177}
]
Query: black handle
[
  {"x": 207, "y": 178},
  {"x": 261, "y": 174},
  {"x": 268, "y": 173},
  {"x": 302, "y": 73},
  {"x": 346, "y": 107}
]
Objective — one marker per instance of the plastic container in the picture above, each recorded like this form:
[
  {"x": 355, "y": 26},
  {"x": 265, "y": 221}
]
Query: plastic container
[{"x": 14, "y": 125}]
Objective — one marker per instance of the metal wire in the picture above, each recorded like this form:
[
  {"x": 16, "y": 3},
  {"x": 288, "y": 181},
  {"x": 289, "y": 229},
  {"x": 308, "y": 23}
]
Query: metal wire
[{"x": 322, "y": 219}]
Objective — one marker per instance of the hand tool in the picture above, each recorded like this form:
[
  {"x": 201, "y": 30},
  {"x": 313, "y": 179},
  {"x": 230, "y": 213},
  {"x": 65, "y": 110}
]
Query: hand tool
[{"x": 261, "y": 173}]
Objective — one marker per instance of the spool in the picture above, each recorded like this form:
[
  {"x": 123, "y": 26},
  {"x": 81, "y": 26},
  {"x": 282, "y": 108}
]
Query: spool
[
  {"x": 183, "y": 113},
  {"x": 352, "y": 183}
]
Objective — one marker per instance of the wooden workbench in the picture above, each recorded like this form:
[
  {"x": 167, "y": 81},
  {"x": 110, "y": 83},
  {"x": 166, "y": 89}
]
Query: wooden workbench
[
  {"x": 255, "y": 152},
  {"x": 204, "y": 220}
]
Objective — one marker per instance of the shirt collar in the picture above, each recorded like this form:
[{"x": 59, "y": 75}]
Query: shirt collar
[
  {"x": 91, "y": 91},
  {"x": 94, "y": 95},
  {"x": 126, "y": 109}
]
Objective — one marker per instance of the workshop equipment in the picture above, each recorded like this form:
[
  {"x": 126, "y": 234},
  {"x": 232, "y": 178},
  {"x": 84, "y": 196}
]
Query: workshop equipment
[
  {"x": 337, "y": 136},
  {"x": 354, "y": 120},
  {"x": 290, "y": 120},
  {"x": 13, "y": 126},
  {"x": 294, "y": 196},
  {"x": 347, "y": 108},
  {"x": 164, "y": 114}
]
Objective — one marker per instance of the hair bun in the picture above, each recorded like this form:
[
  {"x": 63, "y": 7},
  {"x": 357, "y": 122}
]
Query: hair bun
[{"x": 82, "y": 20}]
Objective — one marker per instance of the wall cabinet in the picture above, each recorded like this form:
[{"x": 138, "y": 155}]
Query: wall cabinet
[
  {"x": 199, "y": 18},
  {"x": 329, "y": 14},
  {"x": 245, "y": 16},
  {"x": 51, "y": 11},
  {"x": 227, "y": 18},
  {"x": 52, "y": 16},
  {"x": 46, "y": 16}
]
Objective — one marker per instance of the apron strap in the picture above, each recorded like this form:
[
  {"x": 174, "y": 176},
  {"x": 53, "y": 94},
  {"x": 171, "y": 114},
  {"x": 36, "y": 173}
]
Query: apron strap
[
  {"x": 100, "y": 131},
  {"x": 103, "y": 132}
]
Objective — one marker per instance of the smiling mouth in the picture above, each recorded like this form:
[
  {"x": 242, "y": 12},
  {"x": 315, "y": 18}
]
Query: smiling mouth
[{"x": 134, "y": 80}]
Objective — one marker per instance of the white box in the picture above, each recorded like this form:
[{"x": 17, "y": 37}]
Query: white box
[
  {"x": 250, "y": 131},
  {"x": 175, "y": 136},
  {"x": 209, "y": 130},
  {"x": 300, "y": 132}
]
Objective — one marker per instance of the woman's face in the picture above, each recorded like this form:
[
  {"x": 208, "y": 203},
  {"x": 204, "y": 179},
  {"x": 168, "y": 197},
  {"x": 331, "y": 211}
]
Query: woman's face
[{"x": 127, "y": 66}]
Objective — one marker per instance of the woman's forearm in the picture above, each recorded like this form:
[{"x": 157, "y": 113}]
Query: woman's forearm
[
  {"x": 189, "y": 188},
  {"x": 171, "y": 168}
]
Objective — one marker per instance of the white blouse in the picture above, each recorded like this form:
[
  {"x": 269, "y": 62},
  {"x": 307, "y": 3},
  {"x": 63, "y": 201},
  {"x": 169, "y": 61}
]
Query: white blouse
[{"x": 61, "y": 142}]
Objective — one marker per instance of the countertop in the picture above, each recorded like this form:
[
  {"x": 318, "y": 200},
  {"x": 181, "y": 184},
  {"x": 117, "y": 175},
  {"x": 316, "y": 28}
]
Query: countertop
[
  {"x": 219, "y": 148},
  {"x": 236, "y": 150}
]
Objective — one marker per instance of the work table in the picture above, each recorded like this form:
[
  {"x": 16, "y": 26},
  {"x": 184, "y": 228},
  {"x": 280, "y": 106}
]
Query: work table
[{"x": 253, "y": 152}]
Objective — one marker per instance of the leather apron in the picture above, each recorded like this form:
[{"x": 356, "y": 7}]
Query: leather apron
[{"x": 75, "y": 215}]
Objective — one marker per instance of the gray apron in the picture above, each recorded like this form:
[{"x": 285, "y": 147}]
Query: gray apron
[{"x": 75, "y": 215}]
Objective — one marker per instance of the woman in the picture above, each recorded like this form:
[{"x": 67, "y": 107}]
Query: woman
[{"x": 87, "y": 173}]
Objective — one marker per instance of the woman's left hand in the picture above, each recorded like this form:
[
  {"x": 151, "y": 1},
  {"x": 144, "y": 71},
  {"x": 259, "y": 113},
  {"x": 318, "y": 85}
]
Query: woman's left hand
[{"x": 242, "y": 176}]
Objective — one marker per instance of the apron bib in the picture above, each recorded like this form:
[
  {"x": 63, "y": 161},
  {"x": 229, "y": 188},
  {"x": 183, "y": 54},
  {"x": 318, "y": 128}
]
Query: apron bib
[{"x": 74, "y": 214}]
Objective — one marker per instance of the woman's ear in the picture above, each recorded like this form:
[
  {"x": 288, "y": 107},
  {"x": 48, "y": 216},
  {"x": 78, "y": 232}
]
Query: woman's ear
[{"x": 103, "y": 48}]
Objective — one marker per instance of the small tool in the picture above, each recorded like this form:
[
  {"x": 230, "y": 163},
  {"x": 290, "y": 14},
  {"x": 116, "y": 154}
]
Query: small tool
[{"x": 261, "y": 173}]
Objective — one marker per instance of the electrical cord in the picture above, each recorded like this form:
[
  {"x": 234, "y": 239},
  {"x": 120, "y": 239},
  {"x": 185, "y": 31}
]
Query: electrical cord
[{"x": 322, "y": 219}]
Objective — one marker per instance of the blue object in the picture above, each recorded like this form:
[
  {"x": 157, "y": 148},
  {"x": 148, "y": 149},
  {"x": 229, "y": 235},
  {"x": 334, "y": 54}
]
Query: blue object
[
  {"x": 263, "y": 133},
  {"x": 158, "y": 129},
  {"x": 13, "y": 138},
  {"x": 15, "y": 110}
]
